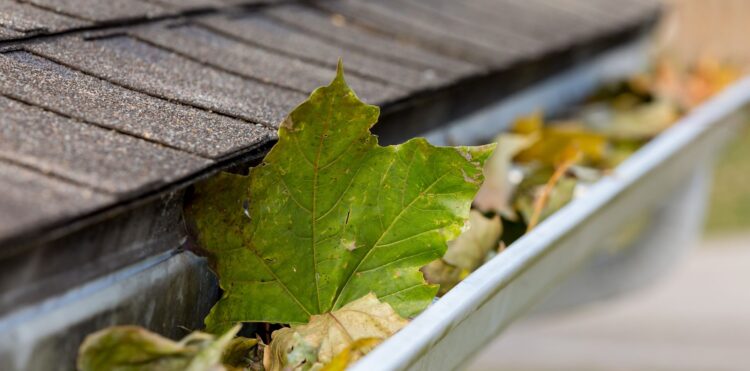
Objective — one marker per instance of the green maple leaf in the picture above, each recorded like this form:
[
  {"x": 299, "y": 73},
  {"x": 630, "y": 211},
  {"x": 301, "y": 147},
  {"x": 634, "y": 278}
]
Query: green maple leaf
[{"x": 330, "y": 216}]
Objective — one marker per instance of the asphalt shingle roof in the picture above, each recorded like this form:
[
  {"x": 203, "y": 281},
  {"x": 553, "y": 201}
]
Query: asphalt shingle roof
[
  {"x": 30, "y": 197},
  {"x": 104, "y": 102},
  {"x": 72, "y": 93},
  {"x": 26, "y": 18}
]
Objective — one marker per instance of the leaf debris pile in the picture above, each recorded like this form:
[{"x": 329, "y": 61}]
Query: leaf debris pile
[{"x": 540, "y": 166}]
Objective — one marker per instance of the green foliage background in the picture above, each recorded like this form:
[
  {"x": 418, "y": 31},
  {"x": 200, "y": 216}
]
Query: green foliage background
[{"x": 730, "y": 197}]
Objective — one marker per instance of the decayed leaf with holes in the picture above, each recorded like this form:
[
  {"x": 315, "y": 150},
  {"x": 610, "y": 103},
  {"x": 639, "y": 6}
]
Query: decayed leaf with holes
[
  {"x": 353, "y": 329},
  {"x": 330, "y": 216},
  {"x": 466, "y": 253},
  {"x": 131, "y": 348}
]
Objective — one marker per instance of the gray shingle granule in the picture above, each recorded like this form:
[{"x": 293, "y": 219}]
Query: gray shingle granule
[
  {"x": 261, "y": 30},
  {"x": 86, "y": 154},
  {"x": 257, "y": 63},
  {"x": 47, "y": 84},
  {"x": 150, "y": 69},
  {"x": 29, "y": 199},
  {"x": 28, "y": 18}
]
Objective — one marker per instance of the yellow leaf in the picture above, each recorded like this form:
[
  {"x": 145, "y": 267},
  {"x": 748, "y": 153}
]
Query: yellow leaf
[
  {"x": 529, "y": 124},
  {"x": 555, "y": 139},
  {"x": 351, "y": 354}
]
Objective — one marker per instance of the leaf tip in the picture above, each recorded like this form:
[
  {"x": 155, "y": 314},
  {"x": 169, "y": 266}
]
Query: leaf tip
[
  {"x": 339, "y": 71},
  {"x": 484, "y": 152}
]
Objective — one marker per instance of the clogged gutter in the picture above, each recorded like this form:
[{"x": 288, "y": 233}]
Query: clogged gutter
[
  {"x": 540, "y": 166},
  {"x": 329, "y": 234}
]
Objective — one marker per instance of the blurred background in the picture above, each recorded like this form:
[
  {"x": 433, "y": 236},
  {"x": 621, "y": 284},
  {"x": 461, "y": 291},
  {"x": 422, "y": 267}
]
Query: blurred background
[{"x": 697, "y": 317}]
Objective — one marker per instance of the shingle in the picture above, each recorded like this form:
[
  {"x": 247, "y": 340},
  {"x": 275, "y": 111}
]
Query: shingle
[
  {"x": 433, "y": 36},
  {"x": 318, "y": 23},
  {"x": 584, "y": 19},
  {"x": 204, "y": 4},
  {"x": 47, "y": 84},
  {"x": 421, "y": 13},
  {"x": 33, "y": 17},
  {"x": 583, "y": 11},
  {"x": 102, "y": 159},
  {"x": 541, "y": 21},
  {"x": 7, "y": 33},
  {"x": 257, "y": 63},
  {"x": 577, "y": 19},
  {"x": 624, "y": 12},
  {"x": 257, "y": 29},
  {"x": 30, "y": 199},
  {"x": 189, "y": 4},
  {"x": 150, "y": 69},
  {"x": 97, "y": 10},
  {"x": 28, "y": 18}
]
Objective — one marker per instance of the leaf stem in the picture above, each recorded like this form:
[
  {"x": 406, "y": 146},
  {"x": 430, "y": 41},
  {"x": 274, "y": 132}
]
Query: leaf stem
[{"x": 541, "y": 202}]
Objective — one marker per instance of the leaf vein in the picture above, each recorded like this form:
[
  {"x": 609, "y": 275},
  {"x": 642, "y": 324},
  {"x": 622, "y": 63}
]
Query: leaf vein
[
  {"x": 400, "y": 291},
  {"x": 396, "y": 261},
  {"x": 316, "y": 172},
  {"x": 283, "y": 285},
  {"x": 393, "y": 222},
  {"x": 341, "y": 197},
  {"x": 291, "y": 195},
  {"x": 377, "y": 197},
  {"x": 299, "y": 149}
]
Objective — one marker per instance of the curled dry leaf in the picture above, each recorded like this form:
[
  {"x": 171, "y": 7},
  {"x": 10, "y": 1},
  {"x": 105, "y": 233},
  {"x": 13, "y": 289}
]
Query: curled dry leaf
[
  {"x": 470, "y": 249},
  {"x": 132, "y": 348},
  {"x": 353, "y": 329},
  {"x": 497, "y": 190},
  {"x": 466, "y": 253},
  {"x": 441, "y": 273},
  {"x": 640, "y": 122}
]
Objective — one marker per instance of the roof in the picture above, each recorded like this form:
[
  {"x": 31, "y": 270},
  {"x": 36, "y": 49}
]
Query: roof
[{"x": 108, "y": 103}]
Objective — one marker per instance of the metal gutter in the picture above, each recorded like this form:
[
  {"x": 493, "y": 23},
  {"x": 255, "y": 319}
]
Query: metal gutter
[{"x": 491, "y": 298}]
